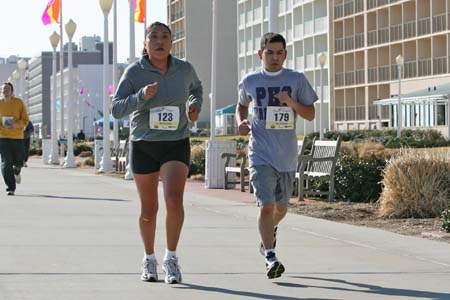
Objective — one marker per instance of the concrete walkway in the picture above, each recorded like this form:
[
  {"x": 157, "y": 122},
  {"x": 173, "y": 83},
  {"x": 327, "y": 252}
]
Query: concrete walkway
[{"x": 71, "y": 234}]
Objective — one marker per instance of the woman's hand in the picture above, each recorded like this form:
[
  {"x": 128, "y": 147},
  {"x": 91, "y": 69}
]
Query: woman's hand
[{"x": 150, "y": 90}]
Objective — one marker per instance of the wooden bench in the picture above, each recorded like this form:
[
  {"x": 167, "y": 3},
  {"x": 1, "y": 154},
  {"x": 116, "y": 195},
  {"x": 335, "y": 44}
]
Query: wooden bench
[
  {"x": 231, "y": 168},
  {"x": 320, "y": 164}
]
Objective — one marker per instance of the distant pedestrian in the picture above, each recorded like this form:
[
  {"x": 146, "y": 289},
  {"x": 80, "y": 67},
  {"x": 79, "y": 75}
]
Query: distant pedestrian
[
  {"x": 27, "y": 132},
  {"x": 81, "y": 136},
  {"x": 14, "y": 118},
  {"x": 155, "y": 91},
  {"x": 278, "y": 96}
]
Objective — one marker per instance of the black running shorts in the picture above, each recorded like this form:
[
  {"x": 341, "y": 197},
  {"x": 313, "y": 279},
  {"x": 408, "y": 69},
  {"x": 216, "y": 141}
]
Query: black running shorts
[{"x": 148, "y": 157}]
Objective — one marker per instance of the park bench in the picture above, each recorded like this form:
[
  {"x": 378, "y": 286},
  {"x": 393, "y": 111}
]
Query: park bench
[{"x": 319, "y": 164}]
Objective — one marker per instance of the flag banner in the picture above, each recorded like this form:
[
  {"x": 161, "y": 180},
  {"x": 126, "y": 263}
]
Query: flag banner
[
  {"x": 139, "y": 10},
  {"x": 82, "y": 90},
  {"x": 51, "y": 12},
  {"x": 111, "y": 89}
]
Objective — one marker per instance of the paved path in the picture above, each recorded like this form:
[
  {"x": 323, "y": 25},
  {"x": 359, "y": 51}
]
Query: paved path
[{"x": 71, "y": 234}]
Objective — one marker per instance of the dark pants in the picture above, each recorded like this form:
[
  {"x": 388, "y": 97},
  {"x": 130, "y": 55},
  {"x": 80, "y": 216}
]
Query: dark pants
[
  {"x": 11, "y": 151},
  {"x": 26, "y": 146}
]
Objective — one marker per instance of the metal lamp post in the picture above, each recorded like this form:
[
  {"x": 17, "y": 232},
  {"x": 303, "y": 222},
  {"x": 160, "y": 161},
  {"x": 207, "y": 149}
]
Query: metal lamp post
[
  {"x": 400, "y": 61},
  {"x": 322, "y": 61},
  {"x": 15, "y": 76},
  {"x": 106, "y": 162},
  {"x": 69, "y": 161},
  {"x": 22, "y": 65},
  {"x": 53, "y": 158}
]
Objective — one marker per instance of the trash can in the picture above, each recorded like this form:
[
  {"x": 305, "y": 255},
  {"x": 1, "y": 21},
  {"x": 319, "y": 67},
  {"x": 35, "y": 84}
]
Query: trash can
[
  {"x": 214, "y": 173},
  {"x": 98, "y": 153},
  {"x": 46, "y": 150}
]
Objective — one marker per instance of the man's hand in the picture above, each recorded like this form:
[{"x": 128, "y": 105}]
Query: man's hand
[
  {"x": 193, "y": 113},
  {"x": 244, "y": 127},
  {"x": 284, "y": 98},
  {"x": 150, "y": 90}
]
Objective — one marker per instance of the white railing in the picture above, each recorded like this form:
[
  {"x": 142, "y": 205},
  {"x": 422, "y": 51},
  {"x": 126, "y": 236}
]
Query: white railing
[
  {"x": 424, "y": 66},
  {"x": 349, "y": 8},
  {"x": 298, "y": 31},
  {"x": 309, "y": 61},
  {"x": 339, "y": 45},
  {"x": 371, "y": 37},
  {"x": 339, "y": 79},
  {"x": 440, "y": 65},
  {"x": 349, "y": 43},
  {"x": 299, "y": 63},
  {"x": 439, "y": 22},
  {"x": 359, "y": 6},
  {"x": 359, "y": 76},
  {"x": 308, "y": 27},
  {"x": 350, "y": 78},
  {"x": 409, "y": 29},
  {"x": 383, "y": 73},
  {"x": 383, "y": 35},
  {"x": 410, "y": 69},
  {"x": 321, "y": 24},
  {"x": 359, "y": 40},
  {"x": 396, "y": 32},
  {"x": 372, "y": 74},
  {"x": 423, "y": 26},
  {"x": 371, "y": 4},
  {"x": 338, "y": 11}
]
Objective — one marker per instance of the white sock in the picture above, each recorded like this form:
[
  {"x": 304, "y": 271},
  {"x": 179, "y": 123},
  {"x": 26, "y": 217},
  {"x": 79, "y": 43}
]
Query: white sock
[
  {"x": 150, "y": 256},
  {"x": 267, "y": 251},
  {"x": 170, "y": 254}
]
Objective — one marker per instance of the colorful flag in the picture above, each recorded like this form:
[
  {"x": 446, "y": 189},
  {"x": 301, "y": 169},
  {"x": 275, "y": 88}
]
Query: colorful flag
[
  {"x": 111, "y": 89},
  {"x": 82, "y": 90},
  {"x": 139, "y": 10},
  {"x": 51, "y": 12}
]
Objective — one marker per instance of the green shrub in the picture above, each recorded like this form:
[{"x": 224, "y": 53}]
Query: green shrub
[
  {"x": 197, "y": 164},
  {"x": 446, "y": 220},
  {"x": 358, "y": 179},
  {"x": 81, "y": 147}
]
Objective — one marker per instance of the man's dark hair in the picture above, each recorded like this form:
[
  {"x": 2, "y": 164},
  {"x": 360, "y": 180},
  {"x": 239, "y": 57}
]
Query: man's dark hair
[
  {"x": 10, "y": 84},
  {"x": 150, "y": 28},
  {"x": 271, "y": 37}
]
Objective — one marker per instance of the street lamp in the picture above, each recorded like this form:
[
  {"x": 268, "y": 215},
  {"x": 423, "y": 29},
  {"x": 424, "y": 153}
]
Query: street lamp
[
  {"x": 69, "y": 161},
  {"x": 53, "y": 158},
  {"x": 400, "y": 60},
  {"x": 322, "y": 61},
  {"x": 15, "y": 76},
  {"x": 106, "y": 162},
  {"x": 22, "y": 65}
]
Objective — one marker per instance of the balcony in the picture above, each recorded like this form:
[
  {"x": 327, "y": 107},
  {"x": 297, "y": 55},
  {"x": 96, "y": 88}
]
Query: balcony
[
  {"x": 350, "y": 78},
  {"x": 298, "y": 31},
  {"x": 299, "y": 63},
  {"x": 440, "y": 65},
  {"x": 339, "y": 79},
  {"x": 374, "y": 114},
  {"x": 424, "y": 26},
  {"x": 383, "y": 73},
  {"x": 409, "y": 29},
  {"x": 321, "y": 25},
  {"x": 372, "y": 74},
  {"x": 383, "y": 35},
  {"x": 349, "y": 43},
  {"x": 308, "y": 27},
  {"x": 309, "y": 61},
  {"x": 371, "y": 37},
  {"x": 359, "y": 76},
  {"x": 349, "y": 8},
  {"x": 338, "y": 11},
  {"x": 424, "y": 66},
  {"x": 396, "y": 32},
  {"x": 439, "y": 22},
  {"x": 339, "y": 45},
  {"x": 410, "y": 69},
  {"x": 359, "y": 6},
  {"x": 359, "y": 40},
  {"x": 371, "y": 4}
]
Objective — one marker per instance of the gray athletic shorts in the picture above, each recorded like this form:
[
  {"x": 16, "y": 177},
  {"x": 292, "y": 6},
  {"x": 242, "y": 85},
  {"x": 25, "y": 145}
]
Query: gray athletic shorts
[{"x": 271, "y": 186}]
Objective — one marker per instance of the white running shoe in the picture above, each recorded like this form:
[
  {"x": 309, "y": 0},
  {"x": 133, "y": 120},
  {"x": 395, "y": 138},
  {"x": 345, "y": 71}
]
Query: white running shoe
[
  {"x": 172, "y": 269},
  {"x": 149, "y": 272},
  {"x": 273, "y": 266}
]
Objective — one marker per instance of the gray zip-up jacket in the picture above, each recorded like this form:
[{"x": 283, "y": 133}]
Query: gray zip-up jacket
[{"x": 179, "y": 87}]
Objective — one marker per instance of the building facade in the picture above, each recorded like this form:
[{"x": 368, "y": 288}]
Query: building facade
[
  {"x": 368, "y": 37},
  {"x": 191, "y": 25},
  {"x": 305, "y": 25}
]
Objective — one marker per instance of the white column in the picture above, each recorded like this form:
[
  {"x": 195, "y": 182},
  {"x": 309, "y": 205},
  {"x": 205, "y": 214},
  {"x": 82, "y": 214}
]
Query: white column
[{"x": 114, "y": 81}]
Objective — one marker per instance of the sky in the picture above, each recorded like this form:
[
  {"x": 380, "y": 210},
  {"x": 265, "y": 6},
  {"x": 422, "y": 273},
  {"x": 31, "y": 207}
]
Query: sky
[{"x": 25, "y": 35}]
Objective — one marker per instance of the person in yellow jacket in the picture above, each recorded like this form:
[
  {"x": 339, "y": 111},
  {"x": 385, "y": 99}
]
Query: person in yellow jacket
[{"x": 13, "y": 117}]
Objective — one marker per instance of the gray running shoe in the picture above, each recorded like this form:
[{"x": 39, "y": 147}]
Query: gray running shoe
[
  {"x": 10, "y": 193},
  {"x": 261, "y": 246},
  {"x": 149, "y": 272},
  {"x": 273, "y": 266},
  {"x": 172, "y": 269}
]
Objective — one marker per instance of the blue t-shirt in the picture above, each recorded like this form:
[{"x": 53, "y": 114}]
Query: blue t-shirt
[{"x": 274, "y": 147}]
